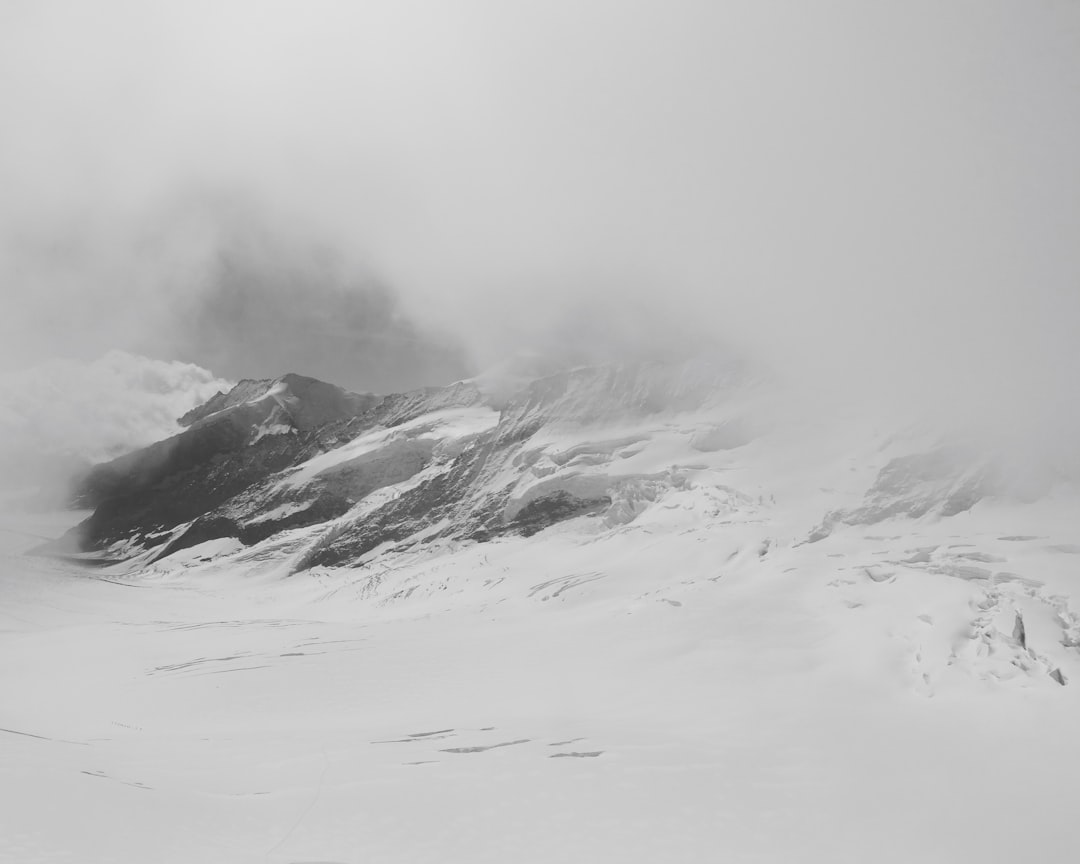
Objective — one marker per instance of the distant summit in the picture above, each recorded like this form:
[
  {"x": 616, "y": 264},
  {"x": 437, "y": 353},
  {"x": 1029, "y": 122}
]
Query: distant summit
[
  {"x": 248, "y": 413},
  {"x": 308, "y": 475},
  {"x": 297, "y": 401},
  {"x": 277, "y": 454}
]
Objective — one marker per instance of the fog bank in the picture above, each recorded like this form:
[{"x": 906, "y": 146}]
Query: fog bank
[{"x": 869, "y": 198}]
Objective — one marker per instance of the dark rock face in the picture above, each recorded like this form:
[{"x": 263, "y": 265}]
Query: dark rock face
[
  {"x": 275, "y": 455},
  {"x": 466, "y": 502},
  {"x": 219, "y": 477},
  {"x": 232, "y": 442},
  {"x": 227, "y": 424},
  {"x": 945, "y": 481},
  {"x": 547, "y": 510},
  {"x": 153, "y": 499},
  {"x": 307, "y": 402},
  {"x": 453, "y": 497},
  {"x": 246, "y": 391}
]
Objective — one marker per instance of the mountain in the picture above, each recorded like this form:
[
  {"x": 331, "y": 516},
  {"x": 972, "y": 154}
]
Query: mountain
[
  {"x": 294, "y": 475},
  {"x": 637, "y": 611},
  {"x": 280, "y": 454},
  {"x": 300, "y": 475}
]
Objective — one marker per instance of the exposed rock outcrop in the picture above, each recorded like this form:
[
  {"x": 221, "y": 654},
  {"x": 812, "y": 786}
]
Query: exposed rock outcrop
[
  {"x": 944, "y": 481},
  {"x": 275, "y": 455}
]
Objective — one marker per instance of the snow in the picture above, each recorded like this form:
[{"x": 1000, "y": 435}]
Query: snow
[
  {"x": 685, "y": 678},
  {"x": 272, "y": 429},
  {"x": 448, "y": 428}
]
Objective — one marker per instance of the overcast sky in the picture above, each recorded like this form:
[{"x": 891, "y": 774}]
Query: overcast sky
[{"x": 884, "y": 194}]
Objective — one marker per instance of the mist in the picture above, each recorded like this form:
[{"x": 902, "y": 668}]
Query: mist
[{"x": 868, "y": 198}]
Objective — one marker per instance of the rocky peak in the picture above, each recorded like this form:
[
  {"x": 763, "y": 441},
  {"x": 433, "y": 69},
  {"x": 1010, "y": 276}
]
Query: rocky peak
[
  {"x": 246, "y": 390},
  {"x": 226, "y": 423},
  {"x": 296, "y": 400}
]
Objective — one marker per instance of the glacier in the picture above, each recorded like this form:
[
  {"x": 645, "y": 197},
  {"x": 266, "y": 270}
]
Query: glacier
[{"x": 629, "y": 612}]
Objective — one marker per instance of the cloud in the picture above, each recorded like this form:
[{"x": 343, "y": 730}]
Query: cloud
[
  {"x": 873, "y": 198},
  {"x": 269, "y": 306},
  {"x": 59, "y": 417}
]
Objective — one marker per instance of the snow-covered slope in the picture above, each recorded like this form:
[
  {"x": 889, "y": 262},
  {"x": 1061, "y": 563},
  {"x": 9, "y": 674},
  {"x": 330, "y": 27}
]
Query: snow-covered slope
[
  {"x": 66, "y": 414},
  {"x": 307, "y": 451},
  {"x": 630, "y": 613},
  {"x": 611, "y": 454},
  {"x": 474, "y": 462}
]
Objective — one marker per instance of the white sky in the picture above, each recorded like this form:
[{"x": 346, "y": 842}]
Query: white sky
[{"x": 885, "y": 194}]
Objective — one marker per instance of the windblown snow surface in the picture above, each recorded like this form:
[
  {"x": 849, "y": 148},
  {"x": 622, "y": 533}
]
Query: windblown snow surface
[{"x": 781, "y": 642}]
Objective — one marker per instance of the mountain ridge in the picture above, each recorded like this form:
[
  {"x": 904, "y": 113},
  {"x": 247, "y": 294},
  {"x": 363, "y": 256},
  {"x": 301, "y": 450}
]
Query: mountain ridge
[
  {"x": 672, "y": 475},
  {"x": 214, "y": 478},
  {"x": 334, "y": 479}
]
